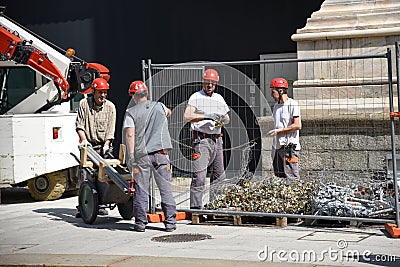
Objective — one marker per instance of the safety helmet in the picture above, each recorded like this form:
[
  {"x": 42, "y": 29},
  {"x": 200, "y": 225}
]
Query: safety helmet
[
  {"x": 211, "y": 75},
  {"x": 100, "y": 84},
  {"x": 279, "y": 83},
  {"x": 137, "y": 86}
]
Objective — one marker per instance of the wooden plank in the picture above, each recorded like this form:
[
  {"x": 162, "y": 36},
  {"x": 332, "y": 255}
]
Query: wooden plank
[
  {"x": 122, "y": 153},
  {"x": 112, "y": 162},
  {"x": 102, "y": 172},
  {"x": 281, "y": 221},
  {"x": 83, "y": 156},
  {"x": 238, "y": 220}
]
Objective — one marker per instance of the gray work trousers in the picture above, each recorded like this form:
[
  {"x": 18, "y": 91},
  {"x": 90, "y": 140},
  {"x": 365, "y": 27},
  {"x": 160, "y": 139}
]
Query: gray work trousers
[
  {"x": 286, "y": 163},
  {"x": 159, "y": 165},
  {"x": 206, "y": 152}
]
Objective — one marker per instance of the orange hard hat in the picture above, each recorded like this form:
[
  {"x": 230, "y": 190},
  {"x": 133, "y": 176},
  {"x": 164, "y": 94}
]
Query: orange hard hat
[
  {"x": 137, "y": 86},
  {"x": 100, "y": 84},
  {"x": 211, "y": 75},
  {"x": 279, "y": 83}
]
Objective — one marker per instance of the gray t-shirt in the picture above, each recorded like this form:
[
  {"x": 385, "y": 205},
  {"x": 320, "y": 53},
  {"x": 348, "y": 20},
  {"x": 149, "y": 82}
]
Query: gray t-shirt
[{"x": 151, "y": 127}]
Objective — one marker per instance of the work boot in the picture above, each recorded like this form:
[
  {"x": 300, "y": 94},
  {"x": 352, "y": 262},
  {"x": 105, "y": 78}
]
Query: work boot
[
  {"x": 78, "y": 214},
  {"x": 102, "y": 212},
  {"x": 138, "y": 228},
  {"x": 170, "y": 228}
]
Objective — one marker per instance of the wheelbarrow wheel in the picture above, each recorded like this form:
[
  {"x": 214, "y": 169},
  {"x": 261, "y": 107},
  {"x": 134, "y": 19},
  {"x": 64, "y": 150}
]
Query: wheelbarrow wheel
[
  {"x": 126, "y": 209},
  {"x": 88, "y": 202}
]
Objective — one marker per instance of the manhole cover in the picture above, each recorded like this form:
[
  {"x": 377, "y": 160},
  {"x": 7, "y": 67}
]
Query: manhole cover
[{"x": 181, "y": 238}]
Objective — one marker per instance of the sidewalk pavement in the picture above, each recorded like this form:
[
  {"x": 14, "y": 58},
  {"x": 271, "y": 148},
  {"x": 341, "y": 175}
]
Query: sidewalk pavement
[{"x": 48, "y": 234}]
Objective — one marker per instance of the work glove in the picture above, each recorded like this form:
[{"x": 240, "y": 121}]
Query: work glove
[
  {"x": 273, "y": 132},
  {"x": 220, "y": 121},
  {"x": 84, "y": 143},
  {"x": 212, "y": 116},
  {"x": 107, "y": 151}
]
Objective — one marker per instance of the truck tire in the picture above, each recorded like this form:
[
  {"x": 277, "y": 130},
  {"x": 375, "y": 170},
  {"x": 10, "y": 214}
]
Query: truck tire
[
  {"x": 47, "y": 187},
  {"x": 88, "y": 202},
  {"x": 126, "y": 209}
]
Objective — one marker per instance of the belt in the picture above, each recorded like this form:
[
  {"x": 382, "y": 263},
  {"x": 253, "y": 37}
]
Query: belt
[
  {"x": 162, "y": 151},
  {"x": 206, "y": 135}
]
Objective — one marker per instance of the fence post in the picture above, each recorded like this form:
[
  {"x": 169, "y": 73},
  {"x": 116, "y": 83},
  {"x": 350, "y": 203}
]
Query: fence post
[{"x": 393, "y": 134}]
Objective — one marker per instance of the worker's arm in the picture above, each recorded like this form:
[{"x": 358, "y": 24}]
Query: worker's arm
[
  {"x": 168, "y": 112},
  {"x": 226, "y": 119},
  {"x": 130, "y": 140},
  {"x": 296, "y": 125},
  {"x": 130, "y": 146},
  {"x": 82, "y": 138},
  {"x": 81, "y": 134},
  {"x": 191, "y": 115}
]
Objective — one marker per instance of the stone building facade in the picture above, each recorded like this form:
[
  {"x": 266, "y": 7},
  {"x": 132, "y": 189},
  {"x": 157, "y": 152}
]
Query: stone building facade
[{"x": 345, "y": 103}]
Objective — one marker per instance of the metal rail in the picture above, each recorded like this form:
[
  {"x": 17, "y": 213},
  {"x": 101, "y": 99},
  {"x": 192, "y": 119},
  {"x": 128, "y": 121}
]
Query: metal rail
[
  {"x": 303, "y": 216},
  {"x": 393, "y": 136},
  {"x": 268, "y": 61}
]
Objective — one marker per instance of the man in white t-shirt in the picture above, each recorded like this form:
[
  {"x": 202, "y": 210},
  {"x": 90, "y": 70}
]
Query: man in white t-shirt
[
  {"x": 286, "y": 145},
  {"x": 207, "y": 112}
]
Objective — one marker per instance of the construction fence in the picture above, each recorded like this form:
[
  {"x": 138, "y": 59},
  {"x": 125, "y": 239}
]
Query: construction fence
[{"x": 350, "y": 128}]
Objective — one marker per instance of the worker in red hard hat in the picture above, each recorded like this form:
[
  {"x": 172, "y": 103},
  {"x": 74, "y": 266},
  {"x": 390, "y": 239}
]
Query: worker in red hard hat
[
  {"x": 95, "y": 123},
  {"x": 207, "y": 112},
  {"x": 287, "y": 125},
  {"x": 148, "y": 142}
]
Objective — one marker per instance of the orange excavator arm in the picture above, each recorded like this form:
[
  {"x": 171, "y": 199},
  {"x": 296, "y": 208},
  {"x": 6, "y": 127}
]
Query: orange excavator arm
[{"x": 20, "y": 51}]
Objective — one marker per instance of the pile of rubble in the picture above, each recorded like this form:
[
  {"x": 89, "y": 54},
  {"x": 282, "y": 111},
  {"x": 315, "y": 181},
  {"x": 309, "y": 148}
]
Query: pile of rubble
[
  {"x": 354, "y": 201},
  {"x": 275, "y": 195},
  {"x": 279, "y": 195}
]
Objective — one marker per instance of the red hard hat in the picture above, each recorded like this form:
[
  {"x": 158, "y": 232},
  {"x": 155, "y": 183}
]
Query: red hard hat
[
  {"x": 211, "y": 75},
  {"x": 137, "y": 86},
  {"x": 279, "y": 83},
  {"x": 100, "y": 84}
]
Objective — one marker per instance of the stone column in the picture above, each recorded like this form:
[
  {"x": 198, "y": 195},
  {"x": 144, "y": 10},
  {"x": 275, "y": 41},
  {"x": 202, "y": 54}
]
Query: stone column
[{"x": 346, "y": 28}]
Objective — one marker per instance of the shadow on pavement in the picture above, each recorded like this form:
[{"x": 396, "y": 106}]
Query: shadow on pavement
[
  {"x": 107, "y": 222},
  {"x": 15, "y": 195}
]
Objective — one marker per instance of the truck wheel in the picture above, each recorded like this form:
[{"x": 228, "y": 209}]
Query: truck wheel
[
  {"x": 47, "y": 187},
  {"x": 126, "y": 209},
  {"x": 88, "y": 202}
]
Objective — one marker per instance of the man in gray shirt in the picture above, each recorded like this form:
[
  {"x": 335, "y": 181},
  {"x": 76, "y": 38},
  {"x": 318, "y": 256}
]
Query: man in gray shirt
[{"x": 148, "y": 142}]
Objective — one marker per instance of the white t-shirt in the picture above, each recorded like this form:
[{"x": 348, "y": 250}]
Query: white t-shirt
[
  {"x": 207, "y": 105},
  {"x": 283, "y": 117}
]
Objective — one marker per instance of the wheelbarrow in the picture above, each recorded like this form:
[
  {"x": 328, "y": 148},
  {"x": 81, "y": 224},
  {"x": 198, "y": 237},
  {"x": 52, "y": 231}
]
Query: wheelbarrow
[{"x": 108, "y": 184}]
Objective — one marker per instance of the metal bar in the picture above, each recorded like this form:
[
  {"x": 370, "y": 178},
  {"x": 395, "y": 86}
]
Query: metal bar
[
  {"x": 398, "y": 74},
  {"x": 303, "y": 216},
  {"x": 110, "y": 171},
  {"x": 393, "y": 136},
  {"x": 143, "y": 70},
  {"x": 268, "y": 61},
  {"x": 152, "y": 195}
]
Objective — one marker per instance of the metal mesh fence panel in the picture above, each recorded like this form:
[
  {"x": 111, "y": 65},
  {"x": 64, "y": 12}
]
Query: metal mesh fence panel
[{"x": 345, "y": 135}]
